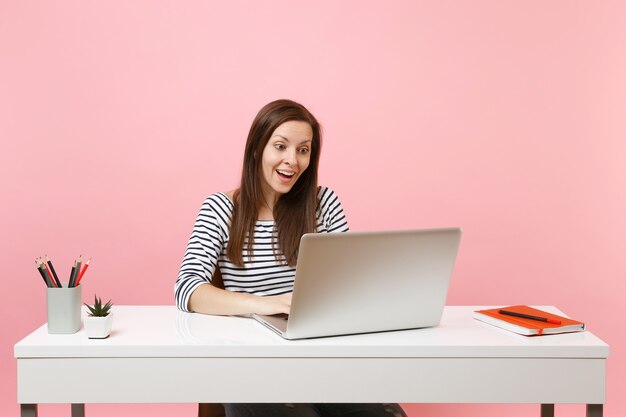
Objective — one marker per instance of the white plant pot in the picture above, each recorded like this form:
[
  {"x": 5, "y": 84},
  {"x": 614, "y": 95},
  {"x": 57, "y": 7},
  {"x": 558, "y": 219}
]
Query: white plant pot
[{"x": 98, "y": 327}]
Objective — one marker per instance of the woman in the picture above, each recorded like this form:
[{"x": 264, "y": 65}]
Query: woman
[{"x": 251, "y": 235}]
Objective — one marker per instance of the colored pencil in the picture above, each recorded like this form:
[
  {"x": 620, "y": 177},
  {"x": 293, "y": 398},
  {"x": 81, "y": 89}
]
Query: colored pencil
[
  {"x": 69, "y": 284},
  {"x": 80, "y": 276},
  {"x": 47, "y": 270},
  {"x": 78, "y": 265},
  {"x": 41, "y": 272},
  {"x": 48, "y": 278},
  {"x": 54, "y": 273}
]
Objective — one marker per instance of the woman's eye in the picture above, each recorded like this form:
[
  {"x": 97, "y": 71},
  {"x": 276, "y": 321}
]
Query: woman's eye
[
  {"x": 279, "y": 146},
  {"x": 303, "y": 150}
]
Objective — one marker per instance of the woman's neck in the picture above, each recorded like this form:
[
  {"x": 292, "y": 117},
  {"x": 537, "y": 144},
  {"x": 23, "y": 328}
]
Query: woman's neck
[{"x": 265, "y": 213}]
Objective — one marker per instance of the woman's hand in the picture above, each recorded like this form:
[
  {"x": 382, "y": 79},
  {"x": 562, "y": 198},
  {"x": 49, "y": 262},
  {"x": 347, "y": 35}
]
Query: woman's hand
[
  {"x": 274, "y": 304},
  {"x": 210, "y": 300}
]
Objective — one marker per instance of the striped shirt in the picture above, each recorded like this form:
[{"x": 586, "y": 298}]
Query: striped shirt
[{"x": 261, "y": 274}]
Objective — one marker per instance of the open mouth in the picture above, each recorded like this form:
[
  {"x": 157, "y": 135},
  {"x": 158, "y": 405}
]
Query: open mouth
[{"x": 285, "y": 174}]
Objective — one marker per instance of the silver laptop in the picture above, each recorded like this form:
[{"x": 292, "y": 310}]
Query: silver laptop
[{"x": 362, "y": 282}]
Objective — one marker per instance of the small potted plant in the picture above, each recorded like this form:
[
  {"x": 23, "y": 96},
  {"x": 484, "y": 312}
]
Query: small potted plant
[{"x": 99, "y": 319}]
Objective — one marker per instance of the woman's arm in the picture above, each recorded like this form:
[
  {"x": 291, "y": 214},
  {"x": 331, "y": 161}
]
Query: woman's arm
[
  {"x": 194, "y": 290},
  {"x": 208, "y": 299},
  {"x": 208, "y": 238}
]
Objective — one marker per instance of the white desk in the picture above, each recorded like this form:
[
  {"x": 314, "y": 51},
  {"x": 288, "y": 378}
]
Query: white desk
[{"x": 157, "y": 354}]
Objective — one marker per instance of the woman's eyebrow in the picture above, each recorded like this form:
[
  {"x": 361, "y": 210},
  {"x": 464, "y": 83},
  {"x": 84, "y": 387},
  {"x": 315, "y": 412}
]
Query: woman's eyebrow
[{"x": 287, "y": 139}]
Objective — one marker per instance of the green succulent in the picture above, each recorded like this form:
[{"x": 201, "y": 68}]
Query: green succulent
[{"x": 99, "y": 310}]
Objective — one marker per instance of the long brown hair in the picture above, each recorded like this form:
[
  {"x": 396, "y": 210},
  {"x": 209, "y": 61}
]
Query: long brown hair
[{"x": 295, "y": 211}]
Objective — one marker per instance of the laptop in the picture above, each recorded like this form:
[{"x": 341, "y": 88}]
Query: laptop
[{"x": 363, "y": 282}]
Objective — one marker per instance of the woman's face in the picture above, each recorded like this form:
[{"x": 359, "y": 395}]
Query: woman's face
[{"x": 285, "y": 157}]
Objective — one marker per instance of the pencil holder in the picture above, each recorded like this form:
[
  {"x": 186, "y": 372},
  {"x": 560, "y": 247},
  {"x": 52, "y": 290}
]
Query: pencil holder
[{"x": 64, "y": 309}]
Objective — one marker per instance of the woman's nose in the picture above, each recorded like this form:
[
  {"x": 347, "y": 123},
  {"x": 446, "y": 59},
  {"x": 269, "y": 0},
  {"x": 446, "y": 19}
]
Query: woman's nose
[{"x": 290, "y": 157}]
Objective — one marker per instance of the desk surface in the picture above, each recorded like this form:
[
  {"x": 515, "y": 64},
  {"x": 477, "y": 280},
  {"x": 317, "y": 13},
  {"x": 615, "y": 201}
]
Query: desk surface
[
  {"x": 159, "y": 354},
  {"x": 163, "y": 331}
]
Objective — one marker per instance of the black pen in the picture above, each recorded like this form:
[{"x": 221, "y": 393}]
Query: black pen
[{"x": 528, "y": 316}]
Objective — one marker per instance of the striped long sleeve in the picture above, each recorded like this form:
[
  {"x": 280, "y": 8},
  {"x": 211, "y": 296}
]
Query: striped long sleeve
[{"x": 261, "y": 274}]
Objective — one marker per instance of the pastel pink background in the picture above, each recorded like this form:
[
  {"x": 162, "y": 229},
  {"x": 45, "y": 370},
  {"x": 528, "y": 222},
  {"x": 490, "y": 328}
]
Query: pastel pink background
[{"x": 507, "y": 118}]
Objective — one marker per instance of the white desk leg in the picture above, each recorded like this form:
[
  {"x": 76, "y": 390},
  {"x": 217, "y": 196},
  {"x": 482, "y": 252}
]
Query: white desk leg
[
  {"x": 28, "y": 410},
  {"x": 547, "y": 410},
  {"x": 594, "y": 410},
  {"x": 78, "y": 410}
]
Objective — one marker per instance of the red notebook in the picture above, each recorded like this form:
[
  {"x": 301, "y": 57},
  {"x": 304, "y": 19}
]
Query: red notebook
[{"x": 527, "y": 326}]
